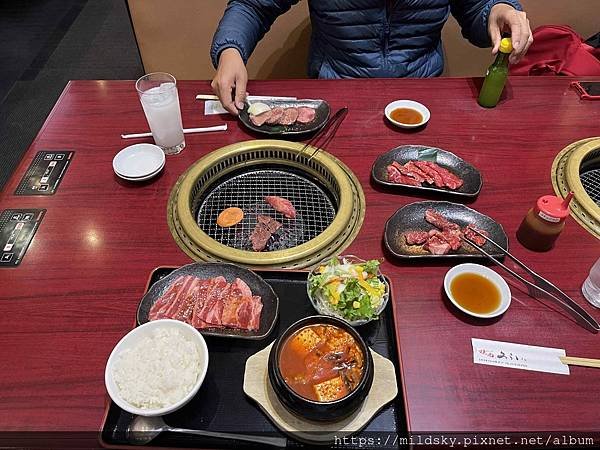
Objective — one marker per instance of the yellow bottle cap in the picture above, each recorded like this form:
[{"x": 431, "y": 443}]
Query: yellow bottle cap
[{"x": 506, "y": 45}]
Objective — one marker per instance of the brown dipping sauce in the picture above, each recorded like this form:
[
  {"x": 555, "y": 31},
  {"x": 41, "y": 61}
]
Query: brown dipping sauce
[
  {"x": 408, "y": 116},
  {"x": 475, "y": 293},
  {"x": 322, "y": 363}
]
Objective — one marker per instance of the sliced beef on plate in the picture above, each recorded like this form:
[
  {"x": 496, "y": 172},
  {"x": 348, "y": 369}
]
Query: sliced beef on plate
[
  {"x": 479, "y": 240},
  {"x": 438, "y": 220},
  {"x": 275, "y": 116},
  {"x": 260, "y": 119},
  {"x": 177, "y": 303},
  {"x": 450, "y": 180},
  {"x": 394, "y": 175},
  {"x": 186, "y": 306},
  {"x": 249, "y": 313},
  {"x": 161, "y": 304},
  {"x": 241, "y": 309},
  {"x": 204, "y": 291},
  {"x": 437, "y": 246},
  {"x": 438, "y": 181},
  {"x": 452, "y": 237},
  {"x": 212, "y": 303},
  {"x": 289, "y": 116},
  {"x": 408, "y": 172},
  {"x": 282, "y": 205},
  {"x": 213, "y": 306},
  {"x": 412, "y": 167},
  {"x": 416, "y": 237},
  {"x": 306, "y": 114}
]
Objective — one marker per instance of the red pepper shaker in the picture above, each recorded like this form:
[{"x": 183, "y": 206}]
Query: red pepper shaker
[{"x": 544, "y": 222}]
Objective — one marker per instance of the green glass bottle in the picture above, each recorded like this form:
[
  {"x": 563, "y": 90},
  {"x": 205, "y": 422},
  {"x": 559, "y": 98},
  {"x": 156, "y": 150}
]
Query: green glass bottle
[{"x": 496, "y": 75}]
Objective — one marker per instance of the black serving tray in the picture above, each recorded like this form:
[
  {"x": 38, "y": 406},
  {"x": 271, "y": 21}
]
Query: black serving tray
[{"x": 221, "y": 404}]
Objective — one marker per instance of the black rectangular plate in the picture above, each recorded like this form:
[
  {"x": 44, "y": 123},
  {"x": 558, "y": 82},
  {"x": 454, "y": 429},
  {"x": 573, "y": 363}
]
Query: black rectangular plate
[
  {"x": 256, "y": 284},
  {"x": 411, "y": 217},
  {"x": 321, "y": 116},
  {"x": 471, "y": 177},
  {"x": 45, "y": 172},
  {"x": 221, "y": 404},
  {"x": 17, "y": 228}
]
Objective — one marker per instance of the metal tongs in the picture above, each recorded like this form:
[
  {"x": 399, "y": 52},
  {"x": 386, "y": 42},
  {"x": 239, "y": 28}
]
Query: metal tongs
[
  {"x": 332, "y": 124},
  {"x": 541, "y": 288}
]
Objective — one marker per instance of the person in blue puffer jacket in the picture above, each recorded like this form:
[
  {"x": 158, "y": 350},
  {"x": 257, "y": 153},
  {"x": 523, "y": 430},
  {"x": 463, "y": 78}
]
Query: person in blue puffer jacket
[{"x": 362, "y": 38}]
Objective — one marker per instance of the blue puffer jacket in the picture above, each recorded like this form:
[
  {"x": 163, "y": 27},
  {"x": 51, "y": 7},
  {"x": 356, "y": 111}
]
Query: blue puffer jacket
[{"x": 361, "y": 38}]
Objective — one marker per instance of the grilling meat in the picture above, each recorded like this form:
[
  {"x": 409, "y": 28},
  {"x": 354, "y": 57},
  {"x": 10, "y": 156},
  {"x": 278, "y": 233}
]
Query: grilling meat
[
  {"x": 265, "y": 227},
  {"x": 415, "y": 173},
  {"x": 446, "y": 237},
  {"x": 282, "y": 205},
  {"x": 209, "y": 303}
]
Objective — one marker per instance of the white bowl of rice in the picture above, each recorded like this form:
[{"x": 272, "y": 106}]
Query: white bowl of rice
[{"x": 156, "y": 368}]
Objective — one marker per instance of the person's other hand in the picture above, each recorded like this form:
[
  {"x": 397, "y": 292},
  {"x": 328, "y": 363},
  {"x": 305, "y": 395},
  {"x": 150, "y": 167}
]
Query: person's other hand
[
  {"x": 231, "y": 75},
  {"x": 503, "y": 18}
]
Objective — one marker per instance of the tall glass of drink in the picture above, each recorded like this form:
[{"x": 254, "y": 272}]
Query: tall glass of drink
[{"x": 160, "y": 101}]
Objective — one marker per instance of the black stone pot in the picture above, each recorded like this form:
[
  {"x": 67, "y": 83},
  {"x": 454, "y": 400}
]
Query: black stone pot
[{"x": 311, "y": 409}]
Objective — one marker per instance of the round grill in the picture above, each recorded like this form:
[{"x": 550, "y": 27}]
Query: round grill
[
  {"x": 314, "y": 209},
  {"x": 577, "y": 168},
  {"x": 329, "y": 202}
]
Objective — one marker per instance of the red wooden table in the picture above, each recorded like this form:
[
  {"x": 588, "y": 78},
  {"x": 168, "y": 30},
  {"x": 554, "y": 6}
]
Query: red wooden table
[{"x": 77, "y": 289}]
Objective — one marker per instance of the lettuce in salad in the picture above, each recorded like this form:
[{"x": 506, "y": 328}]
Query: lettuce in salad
[{"x": 351, "y": 289}]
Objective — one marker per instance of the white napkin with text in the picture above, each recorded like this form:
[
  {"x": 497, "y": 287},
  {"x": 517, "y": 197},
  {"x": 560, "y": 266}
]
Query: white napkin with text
[{"x": 519, "y": 356}]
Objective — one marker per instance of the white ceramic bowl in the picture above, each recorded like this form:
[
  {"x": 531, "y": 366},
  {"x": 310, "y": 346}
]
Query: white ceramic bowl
[
  {"x": 135, "y": 336},
  {"x": 407, "y": 104},
  {"x": 492, "y": 276},
  {"x": 139, "y": 160}
]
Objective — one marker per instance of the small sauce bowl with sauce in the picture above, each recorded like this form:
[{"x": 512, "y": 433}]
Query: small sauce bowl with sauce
[
  {"x": 477, "y": 290},
  {"x": 407, "y": 113}
]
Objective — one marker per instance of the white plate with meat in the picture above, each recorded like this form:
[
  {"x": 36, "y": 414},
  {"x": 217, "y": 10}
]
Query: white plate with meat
[
  {"x": 285, "y": 117},
  {"x": 433, "y": 229},
  {"x": 427, "y": 168},
  {"x": 218, "y": 299}
]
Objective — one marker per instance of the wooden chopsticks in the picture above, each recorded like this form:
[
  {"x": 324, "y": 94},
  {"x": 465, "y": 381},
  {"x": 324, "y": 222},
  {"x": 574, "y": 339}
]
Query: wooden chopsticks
[{"x": 585, "y": 362}]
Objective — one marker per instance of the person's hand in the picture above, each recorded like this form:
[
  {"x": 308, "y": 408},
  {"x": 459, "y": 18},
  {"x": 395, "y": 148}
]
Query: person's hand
[
  {"x": 231, "y": 75},
  {"x": 503, "y": 18}
]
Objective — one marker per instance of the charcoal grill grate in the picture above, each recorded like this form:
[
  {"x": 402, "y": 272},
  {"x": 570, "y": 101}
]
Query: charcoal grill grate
[
  {"x": 591, "y": 184},
  {"x": 314, "y": 209}
]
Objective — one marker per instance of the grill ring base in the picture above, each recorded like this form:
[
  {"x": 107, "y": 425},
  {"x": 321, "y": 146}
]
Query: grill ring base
[{"x": 328, "y": 169}]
